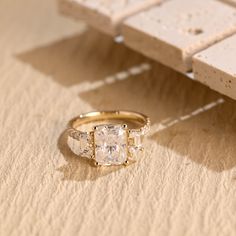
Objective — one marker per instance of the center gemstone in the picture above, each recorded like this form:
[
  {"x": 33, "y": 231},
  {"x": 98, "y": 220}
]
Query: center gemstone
[{"x": 110, "y": 144}]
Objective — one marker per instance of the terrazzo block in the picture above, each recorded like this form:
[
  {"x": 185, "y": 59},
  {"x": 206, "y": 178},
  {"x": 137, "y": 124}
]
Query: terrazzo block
[
  {"x": 176, "y": 30},
  {"x": 216, "y": 67},
  {"x": 105, "y": 15}
]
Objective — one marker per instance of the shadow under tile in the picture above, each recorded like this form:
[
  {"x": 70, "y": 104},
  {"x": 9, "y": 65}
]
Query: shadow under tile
[
  {"x": 88, "y": 56},
  {"x": 161, "y": 93}
]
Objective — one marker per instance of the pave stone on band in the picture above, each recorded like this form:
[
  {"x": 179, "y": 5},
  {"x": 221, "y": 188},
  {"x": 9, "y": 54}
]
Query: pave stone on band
[{"x": 110, "y": 143}]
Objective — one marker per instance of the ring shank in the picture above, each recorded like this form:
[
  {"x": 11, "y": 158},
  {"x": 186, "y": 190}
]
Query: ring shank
[{"x": 95, "y": 116}]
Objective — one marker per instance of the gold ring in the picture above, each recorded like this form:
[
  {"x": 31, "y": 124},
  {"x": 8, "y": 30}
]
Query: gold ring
[{"x": 109, "y": 137}]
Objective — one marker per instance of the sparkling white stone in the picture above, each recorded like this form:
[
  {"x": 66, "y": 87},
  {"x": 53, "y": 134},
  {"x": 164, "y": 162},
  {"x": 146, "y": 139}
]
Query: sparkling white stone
[
  {"x": 111, "y": 146},
  {"x": 135, "y": 137},
  {"x": 85, "y": 147}
]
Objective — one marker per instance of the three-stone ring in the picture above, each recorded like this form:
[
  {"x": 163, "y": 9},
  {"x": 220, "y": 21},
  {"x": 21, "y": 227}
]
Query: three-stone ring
[{"x": 109, "y": 137}]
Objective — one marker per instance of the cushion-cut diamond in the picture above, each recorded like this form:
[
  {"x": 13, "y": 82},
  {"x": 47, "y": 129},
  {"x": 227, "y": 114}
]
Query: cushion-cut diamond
[{"x": 110, "y": 144}]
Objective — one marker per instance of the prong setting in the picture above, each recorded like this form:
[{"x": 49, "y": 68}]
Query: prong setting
[
  {"x": 96, "y": 163},
  {"x": 126, "y": 163},
  {"x": 125, "y": 126},
  {"x": 95, "y": 128}
]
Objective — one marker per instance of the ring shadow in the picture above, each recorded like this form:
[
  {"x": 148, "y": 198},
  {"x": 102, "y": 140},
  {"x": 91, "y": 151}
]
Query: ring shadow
[{"x": 79, "y": 168}]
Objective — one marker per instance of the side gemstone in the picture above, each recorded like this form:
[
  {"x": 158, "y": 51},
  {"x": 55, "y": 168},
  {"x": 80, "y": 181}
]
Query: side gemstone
[
  {"x": 110, "y": 144},
  {"x": 85, "y": 145},
  {"x": 135, "y": 144}
]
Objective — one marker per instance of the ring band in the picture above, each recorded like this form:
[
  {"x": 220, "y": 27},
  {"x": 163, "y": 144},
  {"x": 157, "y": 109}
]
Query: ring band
[{"x": 116, "y": 138}]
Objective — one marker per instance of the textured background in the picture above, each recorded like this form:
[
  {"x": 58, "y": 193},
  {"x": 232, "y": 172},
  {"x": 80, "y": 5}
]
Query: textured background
[{"x": 52, "y": 70}]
